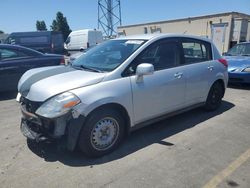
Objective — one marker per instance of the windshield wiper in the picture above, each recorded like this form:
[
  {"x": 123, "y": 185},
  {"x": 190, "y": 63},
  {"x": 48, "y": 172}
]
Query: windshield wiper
[
  {"x": 82, "y": 67},
  {"x": 90, "y": 68}
]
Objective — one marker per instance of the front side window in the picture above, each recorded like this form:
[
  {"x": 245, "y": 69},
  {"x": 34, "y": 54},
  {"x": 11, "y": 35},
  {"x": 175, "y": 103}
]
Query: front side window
[
  {"x": 108, "y": 55},
  {"x": 68, "y": 40},
  {"x": 162, "y": 55},
  {"x": 10, "y": 40},
  {"x": 196, "y": 51}
]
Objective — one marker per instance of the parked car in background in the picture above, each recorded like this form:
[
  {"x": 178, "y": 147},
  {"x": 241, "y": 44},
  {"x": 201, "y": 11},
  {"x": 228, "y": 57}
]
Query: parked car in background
[
  {"x": 83, "y": 39},
  {"x": 76, "y": 55},
  {"x": 238, "y": 58},
  {"x": 42, "y": 41},
  {"x": 119, "y": 86},
  {"x": 16, "y": 60}
]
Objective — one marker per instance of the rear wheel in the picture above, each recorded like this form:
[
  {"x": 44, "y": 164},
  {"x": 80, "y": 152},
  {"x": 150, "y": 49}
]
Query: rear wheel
[
  {"x": 102, "y": 133},
  {"x": 214, "y": 97}
]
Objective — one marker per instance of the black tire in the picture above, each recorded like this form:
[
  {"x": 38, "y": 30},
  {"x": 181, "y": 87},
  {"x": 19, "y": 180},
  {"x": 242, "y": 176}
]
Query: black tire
[
  {"x": 214, "y": 97},
  {"x": 87, "y": 142}
]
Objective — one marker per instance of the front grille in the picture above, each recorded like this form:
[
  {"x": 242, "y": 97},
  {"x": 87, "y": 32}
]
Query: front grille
[{"x": 30, "y": 106}]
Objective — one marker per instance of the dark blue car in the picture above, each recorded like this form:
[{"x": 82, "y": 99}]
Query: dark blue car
[
  {"x": 238, "y": 59},
  {"x": 15, "y": 60}
]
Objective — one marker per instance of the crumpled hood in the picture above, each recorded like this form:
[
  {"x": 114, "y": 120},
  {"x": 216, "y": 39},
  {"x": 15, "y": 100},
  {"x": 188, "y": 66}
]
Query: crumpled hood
[
  {"x": 42, "y": 83},
  {"x": 237, "y": 62}
]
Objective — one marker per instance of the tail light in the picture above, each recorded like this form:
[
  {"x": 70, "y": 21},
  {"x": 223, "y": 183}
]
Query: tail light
[
  {"x": 223, "y": 61},
  {"x": 62, "y": 62}
]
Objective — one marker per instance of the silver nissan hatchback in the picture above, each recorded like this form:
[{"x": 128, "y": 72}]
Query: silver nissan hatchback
[{"x": 119, "y": 86}]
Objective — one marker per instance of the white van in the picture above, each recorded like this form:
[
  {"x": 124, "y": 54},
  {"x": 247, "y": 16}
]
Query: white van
[{"x": 83, "y": 39}]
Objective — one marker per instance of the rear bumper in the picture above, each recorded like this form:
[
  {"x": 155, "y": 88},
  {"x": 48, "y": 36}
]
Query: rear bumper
[
  {"x": 40, "y": 129},
  {"x": 242, "y": 77}
]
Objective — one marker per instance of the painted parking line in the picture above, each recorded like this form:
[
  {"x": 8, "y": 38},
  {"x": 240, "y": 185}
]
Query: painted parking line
[{"x": 216, "y": 180}]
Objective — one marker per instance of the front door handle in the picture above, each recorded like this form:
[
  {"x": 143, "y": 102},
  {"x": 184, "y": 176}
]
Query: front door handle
[{"x": 178, "y": 75}]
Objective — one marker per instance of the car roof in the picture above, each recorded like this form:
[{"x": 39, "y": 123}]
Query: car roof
[
  {"x": 161, "y": 35},
  {"x": 11, "y": 46}
]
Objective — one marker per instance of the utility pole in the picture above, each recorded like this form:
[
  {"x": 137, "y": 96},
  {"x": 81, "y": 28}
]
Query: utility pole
[{"x": 109, "y": 17}]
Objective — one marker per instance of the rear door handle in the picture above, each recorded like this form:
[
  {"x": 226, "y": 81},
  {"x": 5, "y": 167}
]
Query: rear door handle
[
  {"x": 178, "y": 75},
  {"x": 210, "y": 68}
]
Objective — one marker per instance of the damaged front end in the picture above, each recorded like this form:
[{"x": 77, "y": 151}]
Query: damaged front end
[{"x": 64, "y": 127}]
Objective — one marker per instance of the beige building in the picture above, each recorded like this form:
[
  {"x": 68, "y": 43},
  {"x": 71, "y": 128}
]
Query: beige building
[{"x": 225, "y": 29}]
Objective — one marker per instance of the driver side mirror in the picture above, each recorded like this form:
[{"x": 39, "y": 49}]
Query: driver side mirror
[{"x": 144, "y": 69}]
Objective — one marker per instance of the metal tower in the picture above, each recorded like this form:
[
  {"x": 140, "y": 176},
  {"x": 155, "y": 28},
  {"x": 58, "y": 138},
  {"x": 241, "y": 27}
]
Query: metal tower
[{"x": 109, "y": 16}]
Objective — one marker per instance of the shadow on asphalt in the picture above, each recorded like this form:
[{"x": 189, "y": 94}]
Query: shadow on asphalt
[
  {"x": 155, "y": 133},
  {"x": 8, "y": 95}
]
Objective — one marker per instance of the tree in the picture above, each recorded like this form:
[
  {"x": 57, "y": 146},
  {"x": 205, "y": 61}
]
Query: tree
[
  {"x": 61, "y": 24},
  {"x": 41, "y": 26},
  {"x": 1, "y": 32}
]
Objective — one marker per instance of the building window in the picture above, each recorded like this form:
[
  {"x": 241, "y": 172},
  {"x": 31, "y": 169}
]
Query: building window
[
  {"x": 155, "y": 29},
  {"x": 145, "y": 30}
]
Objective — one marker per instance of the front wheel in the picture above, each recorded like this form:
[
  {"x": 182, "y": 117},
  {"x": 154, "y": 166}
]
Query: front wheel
[
  {"x": 102, "y": 133},
  {"x": 214, "y": 97}
]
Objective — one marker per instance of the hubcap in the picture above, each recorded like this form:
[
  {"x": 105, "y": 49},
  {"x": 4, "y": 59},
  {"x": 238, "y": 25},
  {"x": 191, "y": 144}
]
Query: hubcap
[
  {"x": 215, "y": 97},
  {"x": 104, "y": 133}
]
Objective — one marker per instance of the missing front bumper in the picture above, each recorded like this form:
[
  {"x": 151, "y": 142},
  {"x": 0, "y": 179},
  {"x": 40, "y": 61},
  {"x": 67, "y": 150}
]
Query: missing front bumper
[
  {"x": 39, "y": 129},
  {"x": 30, "y": 134}
]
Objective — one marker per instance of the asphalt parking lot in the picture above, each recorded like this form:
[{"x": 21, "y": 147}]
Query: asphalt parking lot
[{"x": 194, "y": 149}]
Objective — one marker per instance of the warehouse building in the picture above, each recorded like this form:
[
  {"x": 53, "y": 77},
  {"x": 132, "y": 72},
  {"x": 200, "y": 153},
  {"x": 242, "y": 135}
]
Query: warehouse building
[{"x": 225, "y": 29}]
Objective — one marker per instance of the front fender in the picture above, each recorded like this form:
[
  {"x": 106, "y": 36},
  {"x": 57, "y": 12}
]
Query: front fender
[{"x": 116, "y": 91}]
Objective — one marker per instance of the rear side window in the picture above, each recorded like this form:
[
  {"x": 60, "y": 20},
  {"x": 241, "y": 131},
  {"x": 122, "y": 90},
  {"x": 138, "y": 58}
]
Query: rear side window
[{"x": 196, "y": 51}]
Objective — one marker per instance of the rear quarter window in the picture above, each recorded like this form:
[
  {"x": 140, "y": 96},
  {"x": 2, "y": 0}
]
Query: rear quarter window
[{"x": 196, "y": 51}]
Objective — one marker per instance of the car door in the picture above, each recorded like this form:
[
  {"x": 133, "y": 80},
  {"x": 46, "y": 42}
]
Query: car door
[
  {"x": 198, "y": 68},
  {"x": 164, "y": 91},
  {"x": 13, "y": 64}
]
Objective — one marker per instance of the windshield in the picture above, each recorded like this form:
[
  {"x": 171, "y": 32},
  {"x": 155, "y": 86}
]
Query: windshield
[
  {"x": 68, "y": 40},
  {"x": 108, "y": 55},
  {"x": 240, "y": 50}
]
